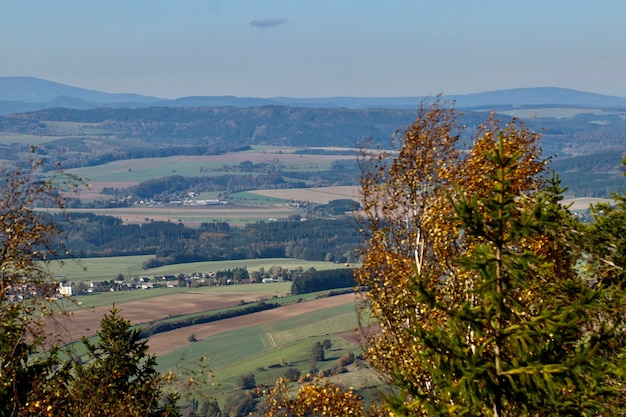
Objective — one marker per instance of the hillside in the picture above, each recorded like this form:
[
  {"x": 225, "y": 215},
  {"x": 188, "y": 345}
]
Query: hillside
[
  {"x": 22, "y": 94},
  {"x": 36, "y": 90},
  {"x": 78, "y": 128}
]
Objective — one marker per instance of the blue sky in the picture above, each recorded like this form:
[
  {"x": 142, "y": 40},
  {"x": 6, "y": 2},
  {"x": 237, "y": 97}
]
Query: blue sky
[{"x": 316, "y": 48}]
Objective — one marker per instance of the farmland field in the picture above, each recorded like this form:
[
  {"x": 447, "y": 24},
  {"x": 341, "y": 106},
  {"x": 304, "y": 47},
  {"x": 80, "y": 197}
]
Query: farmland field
[
  {"x": 98, "y": 269},
  {"x": 134, "y": 170},
  {"x": 8, "y": 138},
  {"x": 320, "y": 195},
  {"x": 193, "y": 216},
  {"x": 251, "y": 341},
  {"x": 583, "y": 203},
  {"x": 254, "y": 341},
  {"x": 173, "y": 340}
]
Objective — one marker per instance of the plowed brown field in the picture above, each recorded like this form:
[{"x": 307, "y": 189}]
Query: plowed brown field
[{"x": 87, "y": 322}]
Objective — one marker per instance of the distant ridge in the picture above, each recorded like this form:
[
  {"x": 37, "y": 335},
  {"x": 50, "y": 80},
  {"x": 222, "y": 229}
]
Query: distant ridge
[
  {"x": 36, "y": 90},
  {"x": 23, "y": 94},
  {"x": 538, "y": 96}
]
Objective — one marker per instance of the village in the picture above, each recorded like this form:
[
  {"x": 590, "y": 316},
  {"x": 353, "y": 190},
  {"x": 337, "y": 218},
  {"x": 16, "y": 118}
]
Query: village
[{"x": 68, "y": 288}]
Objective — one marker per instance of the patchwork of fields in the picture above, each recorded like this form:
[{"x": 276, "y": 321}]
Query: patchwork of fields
[
  {"x": 263, "y": 342},
  {"x": 235, "y": 346}
]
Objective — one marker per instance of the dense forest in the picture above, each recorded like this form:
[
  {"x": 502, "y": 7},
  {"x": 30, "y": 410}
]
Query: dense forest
[
  {"x": 313, "y": 280},
  {"x": 171, "y": 243},
  {"x": 594, "y": 175}
]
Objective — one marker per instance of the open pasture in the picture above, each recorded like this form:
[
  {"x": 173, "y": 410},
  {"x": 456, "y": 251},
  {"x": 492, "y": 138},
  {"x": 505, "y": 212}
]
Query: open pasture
[
  {"x": 342, "y": 319},
  {"x": 244, "y": 344},
  {"x": 7, "y": 138},
  {"x": 99, "y": 269},
  {"x": 163, "y": 343},
  {"x": 83, "y": 129},
  {"x": 135, "y": 170}
]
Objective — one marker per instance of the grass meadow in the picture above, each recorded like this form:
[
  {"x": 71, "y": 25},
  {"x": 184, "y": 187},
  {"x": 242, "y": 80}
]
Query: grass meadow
[
  {"x": 100, "y": 269},
  {"x": 135, "y": 170},
  {"x": 35, "y": 140},
  {"x": 267, "y": 350}
]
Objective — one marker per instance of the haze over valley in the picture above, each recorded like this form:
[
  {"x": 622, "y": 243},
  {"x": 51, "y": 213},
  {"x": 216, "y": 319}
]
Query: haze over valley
[{"x": 300, "y": 206}]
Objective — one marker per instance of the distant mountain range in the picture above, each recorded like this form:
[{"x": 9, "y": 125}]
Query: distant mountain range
[{"x": 23, "y": 94}]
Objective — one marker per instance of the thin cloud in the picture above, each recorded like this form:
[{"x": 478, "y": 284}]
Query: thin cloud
[{"x": 269, "y": 22}]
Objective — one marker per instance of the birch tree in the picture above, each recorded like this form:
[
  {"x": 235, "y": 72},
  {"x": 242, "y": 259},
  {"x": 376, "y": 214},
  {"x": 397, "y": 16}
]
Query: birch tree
[{"x": 470, "y": 269}]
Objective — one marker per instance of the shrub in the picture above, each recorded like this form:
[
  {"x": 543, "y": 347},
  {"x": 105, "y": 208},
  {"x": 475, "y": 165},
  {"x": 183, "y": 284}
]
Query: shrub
[
  {"x": 247, "y": 381},
  {"x": 292, "y": 374},
  {"x": 345, "y": 360}
]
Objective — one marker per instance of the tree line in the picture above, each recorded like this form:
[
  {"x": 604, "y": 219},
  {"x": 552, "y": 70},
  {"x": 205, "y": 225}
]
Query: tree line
[
  {"x": 174, "y": 187},
  {"x": 312, "y": 280},
  {"x": 170, "y": 243}
]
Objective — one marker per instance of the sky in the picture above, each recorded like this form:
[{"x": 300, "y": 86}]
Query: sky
[{"x": 316, "y": 48}]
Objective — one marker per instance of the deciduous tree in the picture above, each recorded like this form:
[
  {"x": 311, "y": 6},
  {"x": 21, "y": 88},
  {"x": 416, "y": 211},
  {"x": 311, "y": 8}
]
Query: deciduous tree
[
  {"x": 470, "y": 270},
  {"x": 27, "y": 241},
  {"x": 321, "y": 398}
]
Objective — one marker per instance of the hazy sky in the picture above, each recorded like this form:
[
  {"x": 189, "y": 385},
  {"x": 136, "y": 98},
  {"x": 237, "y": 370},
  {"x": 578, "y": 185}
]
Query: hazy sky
[{"x": 314, "y": 48}]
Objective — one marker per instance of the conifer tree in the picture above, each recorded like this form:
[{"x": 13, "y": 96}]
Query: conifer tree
[
  {"x": 605, "y": 241},
  {"x": 119, "y": 377},
  {"x": 470, "y": 265}
]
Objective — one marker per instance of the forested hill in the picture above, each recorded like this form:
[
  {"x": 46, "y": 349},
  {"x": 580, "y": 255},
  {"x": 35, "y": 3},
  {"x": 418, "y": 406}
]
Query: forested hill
[
  {"x": 172, "y": 243},
  {"x": 271, "y": 125},
  {"x": 77, "y": 138},
  {"x": 200, "y": 130}
]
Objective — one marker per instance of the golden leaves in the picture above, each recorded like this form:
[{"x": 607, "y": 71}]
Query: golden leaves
[
  {"x": 414, "y": 236},
  {"x": 320, "y": 398}
]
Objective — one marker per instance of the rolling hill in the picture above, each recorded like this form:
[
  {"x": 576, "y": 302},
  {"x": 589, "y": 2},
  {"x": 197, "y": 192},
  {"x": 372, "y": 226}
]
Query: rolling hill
[
  {"x": 21, "y": 94},
  {"x": 78, "y": 127}
]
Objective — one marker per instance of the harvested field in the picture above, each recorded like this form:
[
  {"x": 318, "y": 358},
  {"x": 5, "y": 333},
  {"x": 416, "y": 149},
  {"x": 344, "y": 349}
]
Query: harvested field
[
  {"x": 163, "y": 343},
  {"x": 583, "y": 203},
  {"x": 87, "y": 322},
  {"x": 193, "y": 215},
  {"x": 321, "y": 195}
]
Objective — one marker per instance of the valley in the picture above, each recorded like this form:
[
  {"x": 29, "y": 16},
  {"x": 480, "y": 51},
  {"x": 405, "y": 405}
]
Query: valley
[{"x": 251, "y": 193}]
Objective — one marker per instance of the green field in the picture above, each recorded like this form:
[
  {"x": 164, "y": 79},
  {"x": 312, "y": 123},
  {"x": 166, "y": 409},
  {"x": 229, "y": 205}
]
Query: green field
[
  {"x": 99, "y": 269},
  {"x": 135, "y": 170},
  {"x": 106, "y": 299},
  {"x": 243, "y": 212},
  {"x": 250, "y": 349},
  {"x": 35, "y": 140},
  {"x": 249, "y": 198}
]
